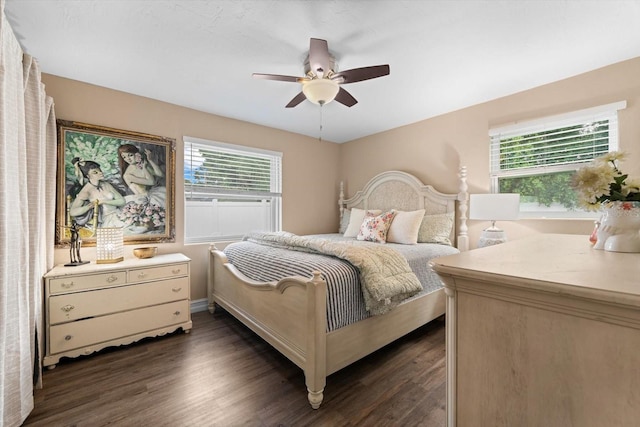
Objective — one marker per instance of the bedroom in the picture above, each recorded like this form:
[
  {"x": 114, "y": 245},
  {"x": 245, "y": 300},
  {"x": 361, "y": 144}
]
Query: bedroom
[{"x": 431, "y": 149}]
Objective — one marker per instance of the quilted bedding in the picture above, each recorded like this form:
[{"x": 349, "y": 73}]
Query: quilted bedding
[{"x": 346, "y": 302}]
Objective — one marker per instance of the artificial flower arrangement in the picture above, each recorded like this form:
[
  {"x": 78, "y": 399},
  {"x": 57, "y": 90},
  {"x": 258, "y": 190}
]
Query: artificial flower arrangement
[
  {"x": 147, "y": 215},
  {"x": 602, "y": 182}
]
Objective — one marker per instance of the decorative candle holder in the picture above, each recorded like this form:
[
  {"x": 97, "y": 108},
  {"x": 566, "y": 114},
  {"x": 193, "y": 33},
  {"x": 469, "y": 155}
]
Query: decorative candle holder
[{"x": 110, "y": 245}]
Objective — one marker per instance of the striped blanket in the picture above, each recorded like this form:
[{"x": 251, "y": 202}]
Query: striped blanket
[{"x": 385, "y": 276}]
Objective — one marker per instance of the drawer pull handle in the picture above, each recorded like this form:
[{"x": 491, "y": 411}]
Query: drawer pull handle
[
  {"x": 141, "y": 275},
  {"x": 176, "y": 271},
  {"x": 68, "y": 338},
  {"x": 176, "y": 289},
  {"x": 67, "y": 285},
  {"x": 67, "y": 308},
  {"x": 177, "y": 313},
  {"x": 112, "y": 279}
]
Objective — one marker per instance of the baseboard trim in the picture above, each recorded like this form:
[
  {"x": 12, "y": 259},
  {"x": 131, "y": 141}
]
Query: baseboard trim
[{"x": 199, "y": 305}]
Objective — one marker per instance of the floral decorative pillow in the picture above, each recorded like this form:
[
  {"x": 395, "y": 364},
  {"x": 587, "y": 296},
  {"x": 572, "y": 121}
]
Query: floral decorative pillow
[
  {"x": 356, "y": 216},
  {"x": 374, "y": 228},
  {"x": 436, "y": 228}
]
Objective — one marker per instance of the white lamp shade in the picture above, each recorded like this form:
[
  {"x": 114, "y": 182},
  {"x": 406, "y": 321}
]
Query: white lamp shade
[
  {"x": 320, "y": 91},
  {"x": 494, "y": 206}
]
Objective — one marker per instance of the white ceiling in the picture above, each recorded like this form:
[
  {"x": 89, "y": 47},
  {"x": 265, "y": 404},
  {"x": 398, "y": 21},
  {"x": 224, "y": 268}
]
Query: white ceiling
[{"x": 444, "y": 54}]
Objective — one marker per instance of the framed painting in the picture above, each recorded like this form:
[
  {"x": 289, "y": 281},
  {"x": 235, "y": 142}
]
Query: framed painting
[{"x": 114, "y": 178}]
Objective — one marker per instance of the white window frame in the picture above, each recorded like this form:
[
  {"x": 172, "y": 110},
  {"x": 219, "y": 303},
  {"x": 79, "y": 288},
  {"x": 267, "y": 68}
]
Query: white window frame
[
  {"x": 581, "y": 117},
  {"x": 218, "y": 197}
]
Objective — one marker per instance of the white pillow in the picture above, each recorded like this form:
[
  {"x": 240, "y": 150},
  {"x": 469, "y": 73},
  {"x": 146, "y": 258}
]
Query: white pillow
[
  {"x": 374, "y": 227},
  {"x": 436, "y": 228},
  {"x": 405, "y": 226},
  {"x": 355, "y": 220}
]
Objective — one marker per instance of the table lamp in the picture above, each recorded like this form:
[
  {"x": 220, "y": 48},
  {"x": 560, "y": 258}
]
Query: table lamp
[
  {"x": 109, "y": 245},
  {"x": 494, "y": 207}
]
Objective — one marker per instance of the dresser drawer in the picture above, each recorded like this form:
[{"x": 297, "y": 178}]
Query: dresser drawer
[
  {"x": 160, "y": 272},
  {"x": 88, "y": 281},
  {"x": 83, "y": 333},
  {"x": 79, "y": 305},
  {"x": 94, "y": 306}
]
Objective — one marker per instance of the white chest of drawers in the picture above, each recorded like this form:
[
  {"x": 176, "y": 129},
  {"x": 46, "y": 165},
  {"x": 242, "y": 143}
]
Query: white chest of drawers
[{"x": 94, "y": 306}]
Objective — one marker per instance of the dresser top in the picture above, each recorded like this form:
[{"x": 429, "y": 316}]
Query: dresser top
[
  {"x": 559, "y": 263},
  {"x": 92, "y": 267}
]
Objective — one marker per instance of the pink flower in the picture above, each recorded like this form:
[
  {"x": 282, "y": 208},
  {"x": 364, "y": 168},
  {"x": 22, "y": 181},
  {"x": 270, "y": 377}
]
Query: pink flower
[{"x": 143, "y": 214}]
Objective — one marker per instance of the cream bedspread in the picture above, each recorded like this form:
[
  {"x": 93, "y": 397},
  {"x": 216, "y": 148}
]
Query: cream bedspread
[{"x": 385, "y": 275}]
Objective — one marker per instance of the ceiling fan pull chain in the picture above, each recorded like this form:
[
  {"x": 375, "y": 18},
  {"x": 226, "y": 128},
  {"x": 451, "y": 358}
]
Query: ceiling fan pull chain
[{"x": 321, "y": 117}]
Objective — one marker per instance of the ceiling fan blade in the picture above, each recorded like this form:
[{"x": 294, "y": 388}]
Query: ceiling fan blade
[
  {"x": 360, "y": 74},
  {"x": 277, "y": 77},
  {"x": 296, "y": 100},
  {"x": 319, "y": 59},
  {"x": 344, "y": 97}
]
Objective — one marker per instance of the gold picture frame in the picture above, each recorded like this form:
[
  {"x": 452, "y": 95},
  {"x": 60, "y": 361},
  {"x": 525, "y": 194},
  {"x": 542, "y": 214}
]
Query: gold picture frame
[{"x": 114, "y": 178}]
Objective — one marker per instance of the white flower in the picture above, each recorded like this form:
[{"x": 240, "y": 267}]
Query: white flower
[
  {"x": 601, "y": 181},
  {"x": 593, "y": 182},
  {"x": 612, "y": 156},
  {"x": 632, "y": 185}
]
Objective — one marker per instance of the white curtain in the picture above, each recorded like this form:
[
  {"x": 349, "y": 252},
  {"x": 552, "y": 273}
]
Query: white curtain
[{"x": 27, "y": 210}]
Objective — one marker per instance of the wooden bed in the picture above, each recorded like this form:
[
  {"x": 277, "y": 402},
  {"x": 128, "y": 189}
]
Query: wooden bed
[{"x": 291, "y": 314}]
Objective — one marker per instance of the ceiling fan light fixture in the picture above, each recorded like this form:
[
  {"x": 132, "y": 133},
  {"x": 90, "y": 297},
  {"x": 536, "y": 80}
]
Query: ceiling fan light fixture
[
  {"x": 322, "y": 84},
  {"x": 320, "y": 91}
]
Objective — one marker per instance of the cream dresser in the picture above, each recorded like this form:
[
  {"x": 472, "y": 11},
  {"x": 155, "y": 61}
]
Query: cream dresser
[
  {"x": 93, "y": 306},
  {"x": 543, "y": 331}
]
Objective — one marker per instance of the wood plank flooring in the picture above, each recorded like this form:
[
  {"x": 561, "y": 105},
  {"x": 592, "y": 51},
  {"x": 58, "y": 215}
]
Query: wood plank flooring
[{"x": 222, "y": 374}]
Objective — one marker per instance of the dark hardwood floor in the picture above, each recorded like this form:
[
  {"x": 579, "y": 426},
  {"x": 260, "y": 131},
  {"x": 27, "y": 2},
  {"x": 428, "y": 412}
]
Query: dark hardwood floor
[{"x": 222, "y": 374}]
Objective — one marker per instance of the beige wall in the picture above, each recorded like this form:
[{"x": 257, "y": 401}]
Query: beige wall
[
  {"x": 310, "y": 167},
  {"x": 433, "y": 149}
]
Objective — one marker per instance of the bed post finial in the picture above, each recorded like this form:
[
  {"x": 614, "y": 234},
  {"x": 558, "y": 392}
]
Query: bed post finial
[
  {"x": 463, "y": 206},
  {"x": 341, "y": 200}
]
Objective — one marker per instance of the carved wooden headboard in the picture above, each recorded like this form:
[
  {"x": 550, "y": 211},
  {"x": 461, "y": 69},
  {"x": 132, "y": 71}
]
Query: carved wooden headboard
[{"x": 403, "y": 191}]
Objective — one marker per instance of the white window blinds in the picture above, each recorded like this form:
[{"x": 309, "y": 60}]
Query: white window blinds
[
  {"x": 554, "y": 143},
  {"x": 538, "y": 158},
  {"x": 230, "y": 190},
  {"x": 213, "y": 168}
]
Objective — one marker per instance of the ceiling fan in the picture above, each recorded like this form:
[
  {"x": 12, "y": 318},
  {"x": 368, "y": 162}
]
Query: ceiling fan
[{"x": 322, "y": 81}]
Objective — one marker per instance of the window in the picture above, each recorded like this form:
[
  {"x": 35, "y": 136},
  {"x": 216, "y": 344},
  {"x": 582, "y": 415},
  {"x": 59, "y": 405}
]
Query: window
[
  {"x": 537, "y": 158},
  {"x": 230, "y": 190}
]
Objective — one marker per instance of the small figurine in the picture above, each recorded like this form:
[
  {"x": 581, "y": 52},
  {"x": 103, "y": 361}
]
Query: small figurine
[
  {"x": 593, "y": 238},
  {"x": 74, "y": 248}
]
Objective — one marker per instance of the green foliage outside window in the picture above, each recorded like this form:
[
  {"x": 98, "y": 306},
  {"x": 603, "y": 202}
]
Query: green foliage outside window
[
  {"x": 542, "y": 189},
  {"x": 566, "y": 147}
]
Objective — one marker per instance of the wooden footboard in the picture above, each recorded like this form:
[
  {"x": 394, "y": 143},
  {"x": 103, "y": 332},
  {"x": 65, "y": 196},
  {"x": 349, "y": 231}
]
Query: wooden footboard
[
  {"x": 353, "y": 342},
  {"x": 290, "y": 315}
]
